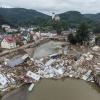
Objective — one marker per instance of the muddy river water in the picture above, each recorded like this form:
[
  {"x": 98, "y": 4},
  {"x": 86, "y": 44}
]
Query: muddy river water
[
  {"x": 47, "y": 49},
  {"x": 68, "y": 89}
]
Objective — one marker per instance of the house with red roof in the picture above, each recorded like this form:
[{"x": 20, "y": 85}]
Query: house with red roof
[{"x": 8, "y": 42}]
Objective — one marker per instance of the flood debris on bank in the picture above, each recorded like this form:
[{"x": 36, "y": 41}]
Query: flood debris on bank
[{"x": 25, "y": 70}]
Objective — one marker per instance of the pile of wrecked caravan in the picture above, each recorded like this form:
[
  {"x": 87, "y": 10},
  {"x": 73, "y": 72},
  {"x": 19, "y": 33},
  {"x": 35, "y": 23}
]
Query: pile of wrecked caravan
[{"x": 56, "y": 66}]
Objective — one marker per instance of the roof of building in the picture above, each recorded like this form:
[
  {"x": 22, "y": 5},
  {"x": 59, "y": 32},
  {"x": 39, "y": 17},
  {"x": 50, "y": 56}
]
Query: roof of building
[
  {"x": 9, "y": 39},
  {"x": 14, "y": 62},
  {"x": 24, "y": 33}
]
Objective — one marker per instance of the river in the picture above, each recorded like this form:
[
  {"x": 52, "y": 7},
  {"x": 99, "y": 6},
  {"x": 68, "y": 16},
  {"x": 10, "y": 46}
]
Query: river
[
  {"x": 47, "y": 49},
  {"x": 68, "y": 89}
]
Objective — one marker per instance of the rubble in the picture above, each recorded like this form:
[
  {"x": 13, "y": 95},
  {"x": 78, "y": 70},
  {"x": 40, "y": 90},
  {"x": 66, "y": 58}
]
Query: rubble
[
  {"x": 97, "y": 79},
  {"x": 15, "y": 62},
  {"x": 26, "y": 70},
  {"x": 96, "y": 48},
  {"x": 31, "y": 87},
  {"x": 3, "y": 81},
  {"x": 33, "y": 76},
  {"x": 86, "y": 76}
]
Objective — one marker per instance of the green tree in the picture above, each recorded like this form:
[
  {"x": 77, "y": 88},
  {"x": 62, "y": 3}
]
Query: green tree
[
  {"x": 81, "y": 36},
  {"x": 82, "y": 33},
  {"x": 64, "y": 25},
  {"x": 72, "y": 39},
  {"x": 2, "y": 20},
  {"x": 96, "y": 29},
  {"x": 97, "y": 40},
  {"x": 57, "y": 26}
]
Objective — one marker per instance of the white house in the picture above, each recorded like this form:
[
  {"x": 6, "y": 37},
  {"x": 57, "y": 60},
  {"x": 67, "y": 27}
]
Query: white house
[
  {"x": 38, "y": 34},
  {"x": 35, "y": 38},
  {"x": 55, "y": 17},
  {"x": 48, "y": 34},
  {"x": 3, "y": 80},
  {"x": 5, "y": 26},
  {"x": 8, "y": 42}
]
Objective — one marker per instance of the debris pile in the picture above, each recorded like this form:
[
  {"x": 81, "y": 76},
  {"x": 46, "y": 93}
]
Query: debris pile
[
  {"x": 96, "y": 48},
  {"x": 25, "y": 70}
]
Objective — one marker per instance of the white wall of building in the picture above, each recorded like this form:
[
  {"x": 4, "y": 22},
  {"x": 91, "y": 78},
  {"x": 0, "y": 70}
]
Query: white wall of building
[{"x": 5, "y": 44}]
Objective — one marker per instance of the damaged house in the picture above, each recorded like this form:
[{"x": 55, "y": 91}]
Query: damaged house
[{"x": 16, "y": 61}]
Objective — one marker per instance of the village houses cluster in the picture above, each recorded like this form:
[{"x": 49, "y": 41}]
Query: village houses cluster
[{"x": 19, "y": 37}]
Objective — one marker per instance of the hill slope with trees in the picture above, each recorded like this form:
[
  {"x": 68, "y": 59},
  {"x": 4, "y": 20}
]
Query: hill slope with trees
[
  {"x": 21, "y": 16},
  {"x": 27, "y": 17}
]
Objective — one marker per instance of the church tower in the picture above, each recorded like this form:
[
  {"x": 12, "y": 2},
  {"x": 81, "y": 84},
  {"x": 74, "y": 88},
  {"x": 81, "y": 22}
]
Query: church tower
[{"x": 55, "y": 17}]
